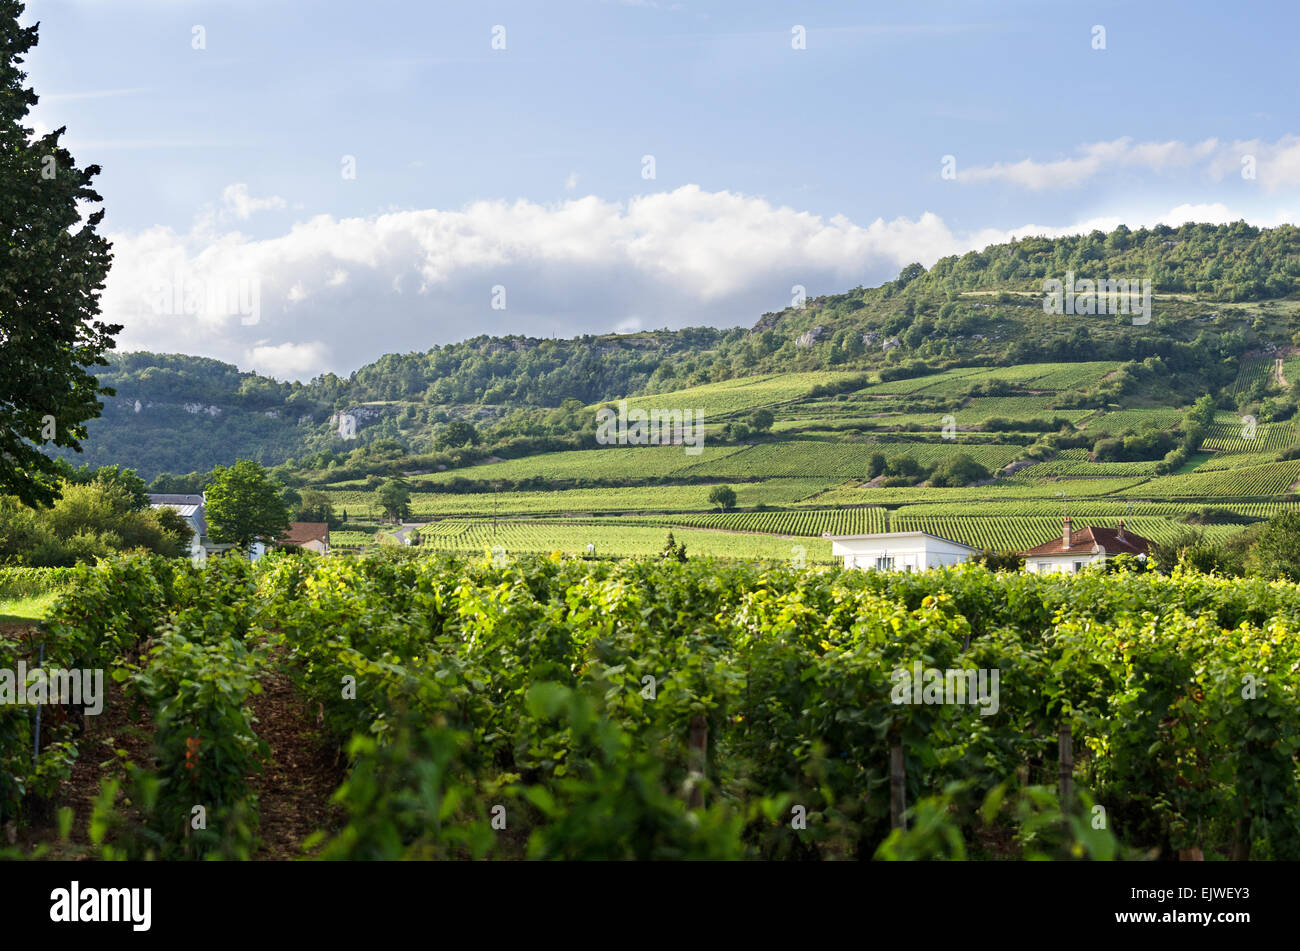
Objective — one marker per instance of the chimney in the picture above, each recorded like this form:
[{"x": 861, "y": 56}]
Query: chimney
[
  {"x": 1066, "y": 534},
  {"x": 1120, "y": 534}
]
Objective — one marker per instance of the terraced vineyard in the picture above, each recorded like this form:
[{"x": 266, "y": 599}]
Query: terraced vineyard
[
  {"x": 1254, "y": 370},
  {"x": 812, "y": 473},
  {"x": 1237, "y": 434},
  {"x": 654, "y": 498},
  {"x": 1233, "y": 460},
  {"x": 1036, "y": 376},
  {"x": 739, "y": 395},
  {"x": 1275, "y": 478},
  {"x": 1004, "y": 533},
  {"x": 621, "y": 540},
  {"x": 1291, "y": 369},
  {"x": 1002, "y": 489},
  {"x": 609, "y": 462},
  {"x": 1075, "y": 468},
  {"x": 811, "y": 523},
  {"x": 1016, "y": 407},
  {"x": 1108, "y": 511},
  {"x": 1137, "y": 420},
  {"x": 846, "y": 460}
]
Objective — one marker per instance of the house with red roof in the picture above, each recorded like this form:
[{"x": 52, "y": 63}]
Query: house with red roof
[
  {"x": 1075, "y": 549},
  {"x": 313, "y": 536}
]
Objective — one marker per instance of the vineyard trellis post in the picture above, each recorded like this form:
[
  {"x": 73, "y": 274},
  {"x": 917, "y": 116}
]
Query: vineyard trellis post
[
  {"x": 1065, "y": 770},
  {"x": 699, "y": 758},
  {"x": 897, "y": 785},
  {"x": 36, "y": 734}
]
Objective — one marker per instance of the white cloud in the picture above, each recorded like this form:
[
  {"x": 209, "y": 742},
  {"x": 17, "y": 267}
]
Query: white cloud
[
  {"x": 571, "y": 182},
  {"x": 286, "y": 360},
  {"x": 1093, "y": 159},
  {"x": 239, "y": 203},
  {"x": 407, "y": 280},
  {"x": 1277, "y": 164}
]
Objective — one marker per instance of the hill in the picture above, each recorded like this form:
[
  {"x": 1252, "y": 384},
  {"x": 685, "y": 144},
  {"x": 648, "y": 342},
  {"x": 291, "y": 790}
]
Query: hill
[{"x": 947, "y": 399}]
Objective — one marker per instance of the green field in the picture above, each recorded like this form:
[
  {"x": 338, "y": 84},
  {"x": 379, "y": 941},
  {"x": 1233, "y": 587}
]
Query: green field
[
  {"x": 810, "y": 474},
  {"x": 1121, "y": 421},
  {"x": 654, "y": 498},
  {"x": 1274, "y": 478},
  {"x": 837, "y": 461},
  {"x": 619, "y": 540},
  {"x": 611, "y": 462},
  {"x": 740, "y": 395}
]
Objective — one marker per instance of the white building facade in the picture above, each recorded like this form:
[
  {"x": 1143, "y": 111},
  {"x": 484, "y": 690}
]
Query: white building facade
[
  {"x": 190, "y": 508},
  {"x": 1077, "y": 549},
  {"x": 899, "y": 551}
]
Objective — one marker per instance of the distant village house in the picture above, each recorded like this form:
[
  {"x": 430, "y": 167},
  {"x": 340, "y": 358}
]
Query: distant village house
[
  {"x": 899, "y": 551},
  {"x": 1075, "y": 550}
]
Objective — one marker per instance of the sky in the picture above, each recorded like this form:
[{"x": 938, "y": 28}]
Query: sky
[{"x": 300, "y": 187}]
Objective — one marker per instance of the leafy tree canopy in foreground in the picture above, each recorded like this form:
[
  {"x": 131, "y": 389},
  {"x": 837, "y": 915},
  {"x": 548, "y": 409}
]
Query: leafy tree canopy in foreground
[{"x": 52, "y": 267}]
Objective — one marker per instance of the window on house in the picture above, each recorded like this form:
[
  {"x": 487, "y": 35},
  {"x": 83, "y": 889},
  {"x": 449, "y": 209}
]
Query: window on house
[
  {"x": 1078, "y": 565},
  {"x": 885, "y": 563}
]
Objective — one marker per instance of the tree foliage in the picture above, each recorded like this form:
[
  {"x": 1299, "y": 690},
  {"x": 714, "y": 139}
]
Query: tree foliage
[
  {"x": 244, "y": 504},
  {"x": 52, "y": 268}
]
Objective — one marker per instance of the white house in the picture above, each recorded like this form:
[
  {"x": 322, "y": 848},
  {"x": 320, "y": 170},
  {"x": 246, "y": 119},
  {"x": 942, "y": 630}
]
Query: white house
[
  {"x": 1074, "y": 550},
  {"x": 899, "y": 551},
  {"x": 190, "y": 508}
]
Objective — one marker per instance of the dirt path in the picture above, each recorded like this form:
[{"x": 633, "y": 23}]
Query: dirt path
[
  {"x": 293, "y": 791},
  {"x": 300, "y": 777}
]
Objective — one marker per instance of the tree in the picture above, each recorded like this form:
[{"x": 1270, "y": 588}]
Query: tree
[
  {"x": 87, "y": 521},
  {"x": 394, "y": 498},
  {"x": 457, "y": 434},
  {"x": 761, "y": 420},
  {"x": 126, "y": 479},
  {"x": 736, "y": 430},
  {"x": 245, "y": 504},
  {"x": 291, "y": 497},
  {"x": 1277, "y": 548},
  {"x": 723, "y": 496},
  {"x": 52, "y": 268},
  {"x": 999, "y": 560},
  {"x": 316, "y": 506},
  {"x": 958, "y": 470},
  {"x": 174, "y": 522}
]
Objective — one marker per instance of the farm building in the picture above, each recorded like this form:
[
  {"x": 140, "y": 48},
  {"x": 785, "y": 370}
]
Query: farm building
[
  {"x": 1075, "y": 549},
  {"x": 190, "y": 508},
  {"x": 313, "y": 536},
  {"x": 899, "y": 551}
]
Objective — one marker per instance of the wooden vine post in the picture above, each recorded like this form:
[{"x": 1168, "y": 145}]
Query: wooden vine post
[
  {"x": 699, "y": 758},
  {"x": 897, "y": 784},
  {"x": 1065, "y": 773}
]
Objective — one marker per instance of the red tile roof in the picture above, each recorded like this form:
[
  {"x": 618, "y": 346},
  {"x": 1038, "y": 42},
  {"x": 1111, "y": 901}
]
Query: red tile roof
[
  {"x": 1114, "y": 541},
  {"x": 300, "y": 533}
]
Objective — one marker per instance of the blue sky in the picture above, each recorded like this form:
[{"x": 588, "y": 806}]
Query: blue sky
[{"x": 522, "y": 168}]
